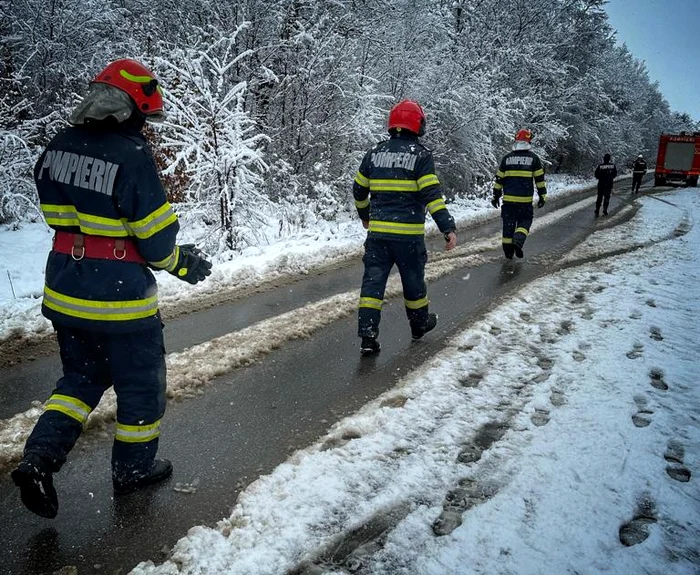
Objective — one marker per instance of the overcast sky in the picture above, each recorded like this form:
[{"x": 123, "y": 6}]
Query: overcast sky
[{"x": 664, "y": 33}]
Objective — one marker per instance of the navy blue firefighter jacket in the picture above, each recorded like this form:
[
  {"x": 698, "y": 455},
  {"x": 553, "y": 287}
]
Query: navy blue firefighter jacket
[
  {"x": 515, "y": 176},
  {"x": 395, "y": 186},
  {"x": 103, "y": 181}
]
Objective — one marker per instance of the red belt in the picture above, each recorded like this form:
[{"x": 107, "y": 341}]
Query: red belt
[{"x": 96, "y": 247}]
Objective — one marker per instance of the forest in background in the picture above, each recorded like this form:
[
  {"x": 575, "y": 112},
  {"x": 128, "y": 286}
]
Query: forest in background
[{"x": 272, "y": 103}]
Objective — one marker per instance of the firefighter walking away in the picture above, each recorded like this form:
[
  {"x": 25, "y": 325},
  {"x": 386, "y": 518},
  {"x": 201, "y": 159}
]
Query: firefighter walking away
[
  {"x": 514, "y": 186},
  {"x": 99, "y": 190},
  {"x": 605, "y": 173},
  {"x": 638, "y": 170},
  {"x": 394, "y": 187}
]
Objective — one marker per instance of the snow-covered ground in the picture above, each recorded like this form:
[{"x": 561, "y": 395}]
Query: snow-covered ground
[{"x": 558, "y": 426}]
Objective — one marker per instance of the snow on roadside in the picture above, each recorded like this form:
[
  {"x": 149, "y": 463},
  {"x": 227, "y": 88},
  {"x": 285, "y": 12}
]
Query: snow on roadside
[
  {"x": 590, "y": 377},
  {"x": 23, "y": 256}
]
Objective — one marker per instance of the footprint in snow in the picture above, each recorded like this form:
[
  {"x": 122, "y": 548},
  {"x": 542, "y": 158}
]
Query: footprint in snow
[
  {"x": 545, "y": 363},
  {"x": 675, "y": 452},
  {"x": 565, "y": 327},
  {"x": 642, "y": 417},
  {"x": 556, "y": 397},
  {"x": 469, "y": 454},
  {"x": 636, "y": 531},
  {"x": 579, "y": 297},
  {"x": 587, "y": 313},
  {"x": 577, "y": 355},
  {"x": 651, "y": 303},
  {"x": 540, "y": 417},
  {"x": 471, "y": 379},
  {"x": 636, "y": 352},
  {"x": 495, "y": 330},
  {"x": 657, "y": 379},
  {"x": 458, "y": 500},
  {"x": 636, "y": 315},
  {"x": 655, "y": 333}
]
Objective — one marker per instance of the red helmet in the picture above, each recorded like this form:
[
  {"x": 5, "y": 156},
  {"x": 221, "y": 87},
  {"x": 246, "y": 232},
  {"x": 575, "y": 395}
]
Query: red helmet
[
  {"x": 409, "y": 116},
  {"x": 136, "y": 80},
  {"x": 523, "y": 135}
]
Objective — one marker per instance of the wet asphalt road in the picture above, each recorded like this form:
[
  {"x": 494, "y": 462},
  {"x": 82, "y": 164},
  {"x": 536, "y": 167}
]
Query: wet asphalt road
[{"x": 248, "y": 421}]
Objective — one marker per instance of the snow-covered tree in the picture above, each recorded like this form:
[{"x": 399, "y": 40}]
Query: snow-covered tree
[{"x": 209, "y": 137}]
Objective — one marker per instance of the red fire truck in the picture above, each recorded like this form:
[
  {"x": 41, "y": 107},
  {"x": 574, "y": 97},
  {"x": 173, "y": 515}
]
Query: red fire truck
[{"x": 678, "y": 160}]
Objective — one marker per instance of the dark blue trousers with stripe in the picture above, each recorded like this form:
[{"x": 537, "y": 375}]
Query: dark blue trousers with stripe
[
  {"x": 410, "y": 257},
  {"x": 517, "y": 219},
  {"x": 134, "y": 363}
]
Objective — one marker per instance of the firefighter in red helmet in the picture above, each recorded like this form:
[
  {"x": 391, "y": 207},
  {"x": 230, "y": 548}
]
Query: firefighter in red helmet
[
  {"x": 514, "y": 185},
  {"x": 394, "y": 187},
  {"x": 99, "y": 190}
]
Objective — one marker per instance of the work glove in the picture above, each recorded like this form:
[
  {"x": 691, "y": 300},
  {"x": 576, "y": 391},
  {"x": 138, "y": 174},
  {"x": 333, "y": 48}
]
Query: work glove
[
  {"x": 496, "y": 202},
  {"x": 541, "y": 202},
  {"x": 191, "y": 266}
]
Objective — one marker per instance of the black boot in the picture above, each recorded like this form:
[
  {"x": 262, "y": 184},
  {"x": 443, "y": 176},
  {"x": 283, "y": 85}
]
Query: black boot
[
  {"x": 418, "y": 332},
  {"x": 518, "y": 250},
  {"x": 369, "y": 346},
  {"x": 36, "y": 488},
  {"x": 160, "y": 471}
]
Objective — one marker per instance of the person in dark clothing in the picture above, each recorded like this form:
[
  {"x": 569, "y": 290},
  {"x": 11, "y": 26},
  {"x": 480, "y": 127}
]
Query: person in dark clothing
[
  {"x": 605, "y": 173},
  {"x": 99, "y": 190},
  {"x": 514, "y": 183},
  {"x": 638, "y": 170},
  {"x": 394, "y": 188}
]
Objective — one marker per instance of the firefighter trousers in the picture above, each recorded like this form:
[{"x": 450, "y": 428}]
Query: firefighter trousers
[
  {"x": 603, "y": 198},
  {"x": 517, "y": 219},
  {"x": 134, "y": 363},
  {"x": 636, "y": 182},
  {"x": 410, "y": 257}
]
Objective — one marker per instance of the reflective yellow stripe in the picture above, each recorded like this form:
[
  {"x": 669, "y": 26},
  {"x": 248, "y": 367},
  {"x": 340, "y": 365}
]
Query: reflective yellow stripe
[
  {"x": 416, "y": 303},
  {"x": 361, "y": 180},
  {"x": 139, "y": 79},
  {"x": 362, "y": 203},
  {"x": 371, "y": 302},
  {"x": 393, "y": 185},
  {"x": 428, "y": 180},
  {"x": 500, "y": 174},
  {"x": 507, "y": 241},
  {"x": 522, "y": 231},
  {"x": 518, "y": 199},
  {"x": 69, "y": 406},
  {"x": 436, "y": 205},
  {"x": 396, "y": 228},
  {"x": 100, "y": 310},
  {"x": 498, "y": 186},
  {"x": 137, "y": 433},
  {"x": 169, "y": 263},
  {"x": 537, "y": 173},
  {"x": 518, "y": 174},
  {"x": 541, "y": 185},
  {"x": 89, "y": 224},
  {"x": 153, "y": 222}
]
